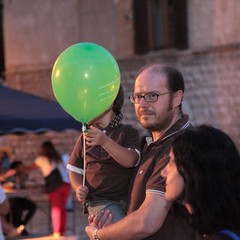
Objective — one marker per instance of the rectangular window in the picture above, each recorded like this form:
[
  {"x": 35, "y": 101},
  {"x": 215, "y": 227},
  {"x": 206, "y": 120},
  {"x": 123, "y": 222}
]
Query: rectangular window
[{"x": 160, "y": 24}]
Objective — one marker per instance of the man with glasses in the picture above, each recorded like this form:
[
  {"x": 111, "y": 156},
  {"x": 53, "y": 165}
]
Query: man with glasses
[{"x": 157, "y": 98}]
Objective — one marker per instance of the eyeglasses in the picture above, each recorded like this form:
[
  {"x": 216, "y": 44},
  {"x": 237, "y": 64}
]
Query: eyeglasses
[{"x": 148, "y": 97}]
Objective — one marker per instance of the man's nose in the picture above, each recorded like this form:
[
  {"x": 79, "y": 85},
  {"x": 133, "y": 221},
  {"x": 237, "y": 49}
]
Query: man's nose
[{"x": 143, "y": 102}]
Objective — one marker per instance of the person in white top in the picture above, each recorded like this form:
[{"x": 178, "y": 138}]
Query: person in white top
[{"x": 57, "y": 184}]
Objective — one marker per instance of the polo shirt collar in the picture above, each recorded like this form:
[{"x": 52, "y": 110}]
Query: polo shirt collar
[{"x": 181, "y": 124}]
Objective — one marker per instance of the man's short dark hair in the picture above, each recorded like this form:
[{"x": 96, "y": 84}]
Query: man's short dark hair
[{"x": 174, "y": 77}]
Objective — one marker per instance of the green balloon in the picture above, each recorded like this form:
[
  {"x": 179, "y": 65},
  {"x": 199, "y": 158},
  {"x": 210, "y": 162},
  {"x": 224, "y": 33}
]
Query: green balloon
[{"x": 85, "y": 80}]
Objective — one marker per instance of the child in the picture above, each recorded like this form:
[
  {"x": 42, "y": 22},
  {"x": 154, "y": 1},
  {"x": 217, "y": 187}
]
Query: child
[{"x": 112, "y": 152}]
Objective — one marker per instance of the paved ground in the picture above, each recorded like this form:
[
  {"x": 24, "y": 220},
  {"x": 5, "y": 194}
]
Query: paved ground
[{"x": 40, "y": 226}]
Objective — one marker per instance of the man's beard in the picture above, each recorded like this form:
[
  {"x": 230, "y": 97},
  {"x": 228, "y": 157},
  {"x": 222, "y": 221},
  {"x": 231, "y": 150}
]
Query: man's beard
[{"x": 162, "y": 123}]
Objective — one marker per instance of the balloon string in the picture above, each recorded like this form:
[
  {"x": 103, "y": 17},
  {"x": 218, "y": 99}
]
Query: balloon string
[{"x": 84, "y": 130}]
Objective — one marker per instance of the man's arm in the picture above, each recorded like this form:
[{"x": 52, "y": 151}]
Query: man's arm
[
  {"x": 139, "y": 224},
  {"x": 8, "y": 174}
]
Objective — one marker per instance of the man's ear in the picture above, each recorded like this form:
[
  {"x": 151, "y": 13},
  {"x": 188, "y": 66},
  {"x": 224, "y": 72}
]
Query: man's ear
[{"x": 178, "y": 97}]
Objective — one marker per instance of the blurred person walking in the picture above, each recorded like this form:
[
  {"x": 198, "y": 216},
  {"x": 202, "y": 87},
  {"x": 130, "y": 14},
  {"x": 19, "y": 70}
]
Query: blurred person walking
[{"x": 57, "y": 184}]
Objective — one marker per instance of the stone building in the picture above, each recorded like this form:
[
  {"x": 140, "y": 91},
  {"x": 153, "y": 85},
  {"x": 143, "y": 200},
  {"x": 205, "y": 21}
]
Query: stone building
[{"x": 199, "y": 37}]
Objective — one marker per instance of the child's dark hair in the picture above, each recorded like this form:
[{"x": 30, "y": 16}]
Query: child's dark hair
[{"x": 118, "y": 102}]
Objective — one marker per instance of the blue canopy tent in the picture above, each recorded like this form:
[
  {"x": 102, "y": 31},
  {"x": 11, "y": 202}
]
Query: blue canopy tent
[{"x": 21, "y": 113}]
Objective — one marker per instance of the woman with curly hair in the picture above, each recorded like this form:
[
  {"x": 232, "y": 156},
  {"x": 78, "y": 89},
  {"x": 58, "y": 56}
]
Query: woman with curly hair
[{"x": 203, "y": 173}]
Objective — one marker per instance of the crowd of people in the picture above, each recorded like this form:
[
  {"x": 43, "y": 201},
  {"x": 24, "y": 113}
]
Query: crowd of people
[
  {"x": 57, "y": 187},
  {"x": 182, "y": 183}
]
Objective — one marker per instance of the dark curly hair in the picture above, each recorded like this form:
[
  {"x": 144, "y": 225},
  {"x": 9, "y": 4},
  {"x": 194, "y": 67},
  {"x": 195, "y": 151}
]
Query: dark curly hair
[{"x": 209, "y": 163}]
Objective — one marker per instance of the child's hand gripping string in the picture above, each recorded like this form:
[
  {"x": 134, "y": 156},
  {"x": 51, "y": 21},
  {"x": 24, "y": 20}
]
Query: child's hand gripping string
[
  {"x": 95, "y": 136},
  {"x": 81, "y": 193}
]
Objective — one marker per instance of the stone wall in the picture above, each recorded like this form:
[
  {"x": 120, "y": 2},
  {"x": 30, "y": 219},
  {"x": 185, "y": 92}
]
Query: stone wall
[
  {"x": 212, "y": 77},
  {"x": 213, "y": 23},
  {"x": 35, "y": 34},
  {"x": 212, "y": 93}
]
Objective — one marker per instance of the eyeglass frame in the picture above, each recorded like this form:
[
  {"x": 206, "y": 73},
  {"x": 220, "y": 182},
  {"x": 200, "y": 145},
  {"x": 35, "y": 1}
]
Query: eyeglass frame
[{"x": 140, "y": 96}]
